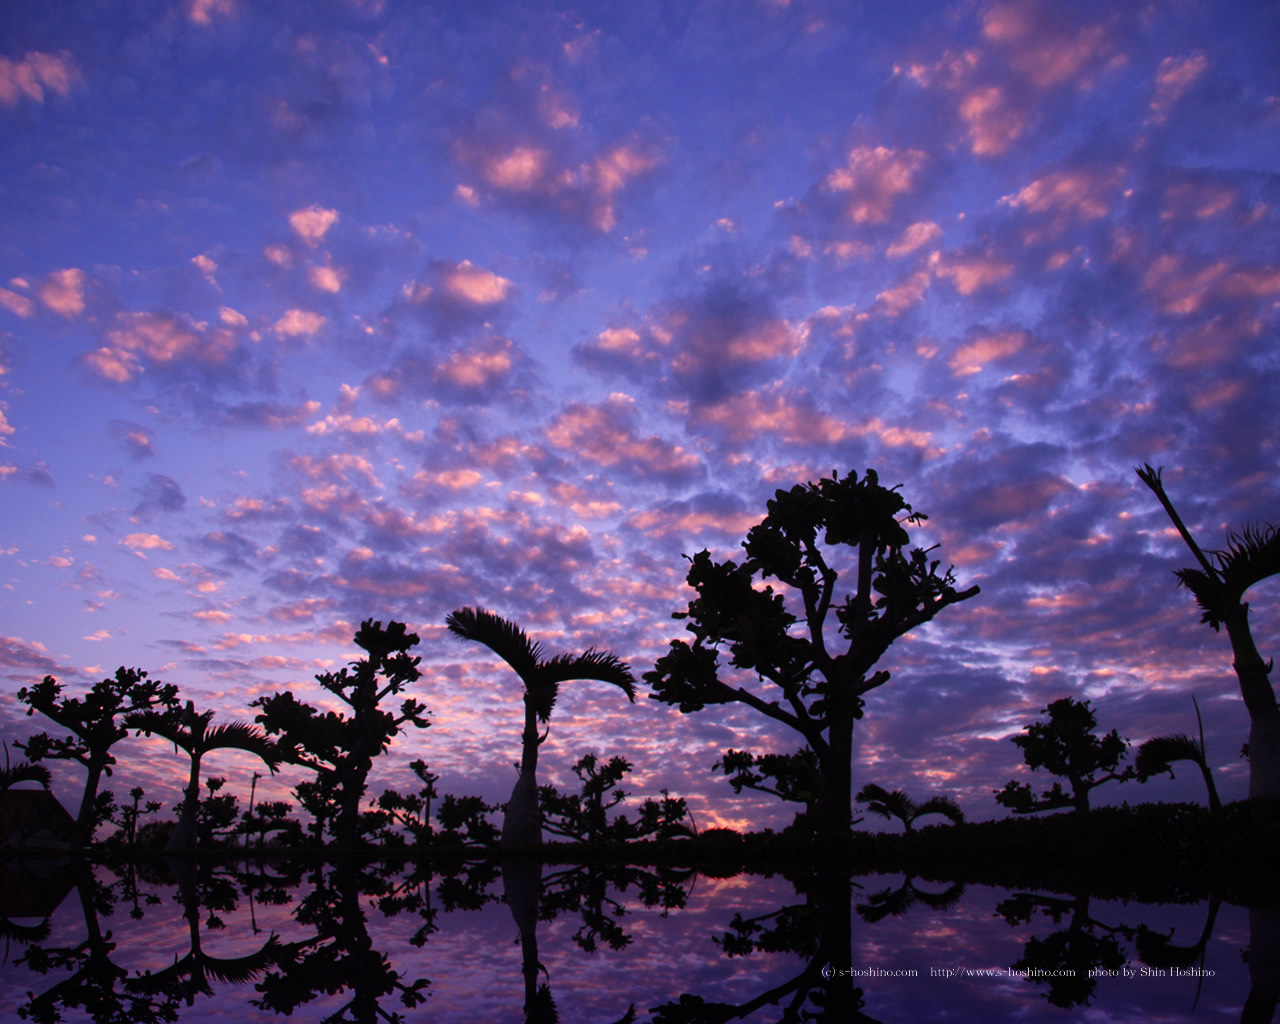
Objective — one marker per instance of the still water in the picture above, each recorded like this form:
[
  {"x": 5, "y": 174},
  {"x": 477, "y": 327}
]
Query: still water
[{"x": 555, "y": 942}]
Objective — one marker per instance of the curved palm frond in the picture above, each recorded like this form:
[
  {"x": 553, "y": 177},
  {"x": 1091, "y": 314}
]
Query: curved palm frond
[
  {"x": 507, "y": 640},
  {"x": 886, "y": 804},
  {"x": 600, "y": 666},
  {"x": 1210, "y": 594},
  {"x": 944, "y": 805},
  {"x": 243, "y": 736},
  {"x": 24, "y": 771},
  {"x": 1251, "y": 556},
  {"x": 1157, "y": 754},
  {"x": 166, "y": 725}
]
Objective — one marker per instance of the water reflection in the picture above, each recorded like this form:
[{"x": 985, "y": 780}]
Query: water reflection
[{"x": 525, "y": 941}]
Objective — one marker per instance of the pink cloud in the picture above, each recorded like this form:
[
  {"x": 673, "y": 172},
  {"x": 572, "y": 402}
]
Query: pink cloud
[
  {"x": 587, "y": 190},
  {"x": 995, "y": 121},
  {"x": 771, "y": 412},
  {"x": 471, "y": 284},
  {"x": 872, "y": 179},
  {"x": 33, "y": 74},
  {"x": 312, "y": 223},
  {"x": 971, "y": 358},
  {"x": 1173, "y": 78},
  {"x": 1068, "y": 193},
  {"x": 202, "y": 12},
  {"x": 901, "y": 297},
  {"x": 605, "y": 434},
  {"x": 341, "y": 467},
  {"x": 18, "y": 305},
  {"x": 474, "y": 369},
  {"x": 63, "y": 292},
  {"x": 327, "y": 279},
  {"x": 146, "y": 542},
  {"x": 158, "y": 338},
  {"x": 1048, "y": 54},
  {"x": 913, "y": 237},
  {"x": 298, "y": 322},
  {"x": 971, "y": 273}
]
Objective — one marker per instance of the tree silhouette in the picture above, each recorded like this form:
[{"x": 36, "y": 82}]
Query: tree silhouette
[
  {"x": 1065, "y": 745},
  {"x": 541, "y": 677},
  {"x": 1156, "y": 756},
  {"x": 796, "y": 778},
  {"x": 1219, "y": 586},
  {"x": 897, "y": 804},
  {"x": 817, "y": 691},
  {"x": 340, "y": 748},
  {"x": 96, "y": 724},
  {"x": 191, "y": 731}
]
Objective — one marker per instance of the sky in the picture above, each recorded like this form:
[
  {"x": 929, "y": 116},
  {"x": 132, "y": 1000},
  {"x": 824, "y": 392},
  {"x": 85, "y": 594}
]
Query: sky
[{"x": 325, "y": 311}]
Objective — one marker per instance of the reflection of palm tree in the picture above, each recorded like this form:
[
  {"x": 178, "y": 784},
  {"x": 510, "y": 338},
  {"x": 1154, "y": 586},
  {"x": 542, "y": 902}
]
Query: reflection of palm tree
[
  {"x": 1251, "y": 556},
  {"x": 192, "y": 733},
  {"x": 522, "y": 826},
  {"x": 898, "y": 805},
  {"x": 896, "y": 902}
]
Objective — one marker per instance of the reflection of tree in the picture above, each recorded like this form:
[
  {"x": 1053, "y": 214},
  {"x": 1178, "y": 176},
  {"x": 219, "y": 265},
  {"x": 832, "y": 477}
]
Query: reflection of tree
[
  {"x": 593, "y": 891},
  {"x": 1068, "y": 954},
  {"x": 896, "y": 902},
  {"x": 818, "y": 930},
  {"x": 96, "y": 984},
  {"x": 340, "y": 957}
]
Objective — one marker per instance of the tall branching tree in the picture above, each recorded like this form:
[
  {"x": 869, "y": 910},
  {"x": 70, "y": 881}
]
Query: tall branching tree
[
  {"x": 897, "y": 804},
  {"x": 96, "y": 724},
  {"x": 541, "y": 678},
  {"x": 192, "y": 732},
  {"x": 340, "y": 748},
  {"x": 815, "y": 674},
  {"x": 1219, "y": 586}
]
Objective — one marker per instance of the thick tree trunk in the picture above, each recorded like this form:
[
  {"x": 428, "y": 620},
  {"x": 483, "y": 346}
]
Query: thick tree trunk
[
  {"x": 835, "y": 807},
  {"x": 522, "y": 822},
  {"x": 347, "y": 827},
  {"x": 84, "y": 820},
  {"x": 1260, "y": 699}
]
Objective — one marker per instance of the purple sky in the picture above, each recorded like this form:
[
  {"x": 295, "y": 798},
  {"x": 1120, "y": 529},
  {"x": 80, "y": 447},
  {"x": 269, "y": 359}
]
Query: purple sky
[{"x": 313, "y": 312}]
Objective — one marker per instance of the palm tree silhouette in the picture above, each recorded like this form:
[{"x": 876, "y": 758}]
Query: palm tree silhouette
[
  {"x": 522, "y": 824},
  {"x": 1251, "y": 556},
  {"x": 23, "y": 771},
  {"x": 898, "y": 805},
  {"x": 1156, "y": 756},
  {"x": 191, "y": 731}
]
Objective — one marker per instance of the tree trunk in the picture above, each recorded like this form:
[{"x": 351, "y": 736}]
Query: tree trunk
[
  {"x": 183, "y": 836},
  {"x": 1260, "y": 699},
  {"x": 84, "y": 820},
  {"x": 835, "y": 808},
  {"x": 522, "y": 822},
  {"x": 347, "y": 826}
]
